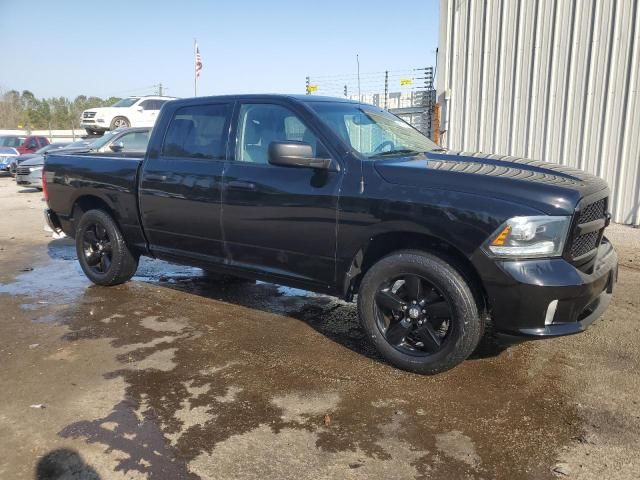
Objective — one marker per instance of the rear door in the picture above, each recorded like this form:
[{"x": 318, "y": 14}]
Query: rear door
[
  {"x": 147, "y": 117},
  {"x": 180, "y": 184},
  {"x": 280, "y": 220}
]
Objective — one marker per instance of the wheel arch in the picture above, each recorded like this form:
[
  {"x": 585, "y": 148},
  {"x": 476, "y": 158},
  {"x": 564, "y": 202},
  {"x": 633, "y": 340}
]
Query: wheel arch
[
  {"x": 84, "y": 203},
  {"x": 383, "y": 244}
]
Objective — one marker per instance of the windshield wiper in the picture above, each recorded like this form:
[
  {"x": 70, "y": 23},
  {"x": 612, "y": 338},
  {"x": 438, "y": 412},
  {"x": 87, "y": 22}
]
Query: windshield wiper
[{"x": 399, "y": 151}]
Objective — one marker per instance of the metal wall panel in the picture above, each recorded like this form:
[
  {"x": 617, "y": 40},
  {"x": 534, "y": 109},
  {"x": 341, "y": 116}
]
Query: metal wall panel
[{"x": 554, "y": 80}]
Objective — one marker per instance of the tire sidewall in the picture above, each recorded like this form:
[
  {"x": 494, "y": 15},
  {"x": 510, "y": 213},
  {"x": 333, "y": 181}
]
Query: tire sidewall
[
  {"x": 110, "y": 277},
  {"x": 465, "y": 324}
]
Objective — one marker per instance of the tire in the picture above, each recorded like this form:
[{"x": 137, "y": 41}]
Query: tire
[
  {"x": 119, "y": 122},
  {"x": 98, "y": 238},
  {"x": 403, "y": 333},
  {"x": 90, "y": 132}
]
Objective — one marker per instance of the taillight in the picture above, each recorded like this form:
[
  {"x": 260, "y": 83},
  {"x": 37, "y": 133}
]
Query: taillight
[{"x": 45, "y": 192}]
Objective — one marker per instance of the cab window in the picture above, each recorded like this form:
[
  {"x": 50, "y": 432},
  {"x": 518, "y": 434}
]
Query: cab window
[
  {"x": 261, "y": 124},
  {"x": 198, "y": 132}
]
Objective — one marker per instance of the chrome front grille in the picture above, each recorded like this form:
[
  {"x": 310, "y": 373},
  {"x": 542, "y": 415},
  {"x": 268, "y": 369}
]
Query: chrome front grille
[
  {"x": 89, "y": 114},
  {"x": 23, "y": 171}
]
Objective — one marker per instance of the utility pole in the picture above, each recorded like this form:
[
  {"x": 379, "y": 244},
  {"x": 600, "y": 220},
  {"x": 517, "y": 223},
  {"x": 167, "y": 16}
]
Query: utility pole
[
  {"x": 160, "y": 89},
  {"x": 386, "y": 89}
]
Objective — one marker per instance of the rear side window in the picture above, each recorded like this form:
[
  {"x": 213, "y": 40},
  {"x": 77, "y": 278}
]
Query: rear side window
[{"x": 198, "y": 132}]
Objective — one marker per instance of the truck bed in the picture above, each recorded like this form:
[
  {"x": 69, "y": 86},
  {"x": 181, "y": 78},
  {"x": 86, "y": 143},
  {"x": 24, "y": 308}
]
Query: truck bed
[{"x": 112, "y": 178}]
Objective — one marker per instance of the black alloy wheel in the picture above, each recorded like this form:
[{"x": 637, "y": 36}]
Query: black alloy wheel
[
  {"x": 104, "y": 256},
  {"x": 98, "y": 252},
  {"x": 413, "y": 315},
  {"x": 419, "y": 311}
]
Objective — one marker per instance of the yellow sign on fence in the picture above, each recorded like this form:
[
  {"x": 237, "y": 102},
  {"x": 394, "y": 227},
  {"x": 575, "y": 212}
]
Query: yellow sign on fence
[{"x": 406, "y": 81}]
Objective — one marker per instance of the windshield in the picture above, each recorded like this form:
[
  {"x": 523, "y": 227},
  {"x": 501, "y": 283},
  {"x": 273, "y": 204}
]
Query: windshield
[
  {"x": 11, "y": 141},
  {"x": 52, "y": 146},
  {"x": 372, "y": 132},
  {"x": 126, "y": 102}
]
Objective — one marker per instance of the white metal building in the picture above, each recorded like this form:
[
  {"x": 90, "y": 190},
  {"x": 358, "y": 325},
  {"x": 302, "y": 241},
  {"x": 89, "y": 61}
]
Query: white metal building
[{"x": 555, "y": 80}]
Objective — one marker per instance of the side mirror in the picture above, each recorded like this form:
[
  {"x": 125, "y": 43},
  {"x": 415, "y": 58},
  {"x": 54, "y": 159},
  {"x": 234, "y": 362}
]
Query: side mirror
[
  {"x": 139, "y": 108},
  {"x": 117, "y": 147},
  {"x": 296, "y": 154}
]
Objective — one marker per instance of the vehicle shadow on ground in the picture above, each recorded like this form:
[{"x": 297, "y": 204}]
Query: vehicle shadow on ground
[
  {"x": 333, "y": 318},
  {"x": 63, "y": 464}
]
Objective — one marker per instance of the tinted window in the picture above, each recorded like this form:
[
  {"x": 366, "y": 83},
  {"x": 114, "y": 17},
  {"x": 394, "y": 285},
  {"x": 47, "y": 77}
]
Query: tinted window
[
  {"x": 152, "y": 104},
  {"x": 261, "y": 124},
  {"x": 126, "y": 102},
  {"x": 11, "y": 141},
  {"x": 198, "y": 132},
  {"x": 134, "y": 141}
]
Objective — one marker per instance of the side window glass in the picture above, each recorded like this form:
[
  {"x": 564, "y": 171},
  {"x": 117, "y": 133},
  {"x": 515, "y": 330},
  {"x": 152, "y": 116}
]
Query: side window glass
[
  {"x": 198, "y": 132},
  {"x": 135, "y": 141},
  {"x": 146, "y": 104},
  {"x": 261, "y": 124}
]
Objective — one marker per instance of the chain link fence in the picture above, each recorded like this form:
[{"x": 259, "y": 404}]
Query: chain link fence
[{"x": 410, "y": 94}]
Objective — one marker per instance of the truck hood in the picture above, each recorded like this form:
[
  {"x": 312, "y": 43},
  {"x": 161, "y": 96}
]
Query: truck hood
[
  {"x": 551, "y": 188},
  {"x": 35, "y": 161}
]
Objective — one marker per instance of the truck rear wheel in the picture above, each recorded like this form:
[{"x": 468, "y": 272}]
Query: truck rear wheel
[
  {"x": 103, "y": 254},
  {"x": 419, "y": 312}
]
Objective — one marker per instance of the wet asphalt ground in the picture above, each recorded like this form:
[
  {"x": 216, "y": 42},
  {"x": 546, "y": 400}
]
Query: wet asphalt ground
[{"x": 175, "y": 376}]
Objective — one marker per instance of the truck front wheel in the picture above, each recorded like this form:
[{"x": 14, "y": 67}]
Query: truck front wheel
[
  {"x": 103, "y": 254},
  {"x": 119, "y": 122},
  {"x": 419, "y": 312}
]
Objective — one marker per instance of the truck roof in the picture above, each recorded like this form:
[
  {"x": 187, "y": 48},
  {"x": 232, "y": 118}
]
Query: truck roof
[{"x": 271, "y": 96}]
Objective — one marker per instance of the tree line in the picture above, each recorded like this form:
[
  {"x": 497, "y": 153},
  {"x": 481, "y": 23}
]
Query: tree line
[{"x": 24, "y": 111}]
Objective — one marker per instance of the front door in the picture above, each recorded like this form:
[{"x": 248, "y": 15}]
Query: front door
[
  {"x": 180, "y": 185},
  {"x": 280, "y": 220}
]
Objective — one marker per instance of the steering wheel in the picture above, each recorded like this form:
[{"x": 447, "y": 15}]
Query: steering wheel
[{"x": 381, "y": 147}]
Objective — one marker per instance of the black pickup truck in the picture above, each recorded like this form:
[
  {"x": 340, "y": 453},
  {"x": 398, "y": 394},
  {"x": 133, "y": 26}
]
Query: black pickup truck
[{"x": 343, "y": 198}]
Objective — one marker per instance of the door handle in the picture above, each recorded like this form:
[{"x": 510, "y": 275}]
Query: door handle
[
  {"x": 240, "y": 185},
  {"x": 155, "y": 178}
]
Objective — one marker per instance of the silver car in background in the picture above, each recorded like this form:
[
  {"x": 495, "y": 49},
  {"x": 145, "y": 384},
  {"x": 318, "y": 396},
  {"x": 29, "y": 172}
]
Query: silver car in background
[{"x": 122, "y": 141}]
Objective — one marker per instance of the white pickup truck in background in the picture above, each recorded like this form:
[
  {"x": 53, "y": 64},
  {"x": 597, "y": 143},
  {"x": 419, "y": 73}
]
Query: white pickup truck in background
[{"x": 128, "y": 112}]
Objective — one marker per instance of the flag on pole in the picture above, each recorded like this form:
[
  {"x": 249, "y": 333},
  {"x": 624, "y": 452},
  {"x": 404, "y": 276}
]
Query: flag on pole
[{"x": 198, "y": 62}]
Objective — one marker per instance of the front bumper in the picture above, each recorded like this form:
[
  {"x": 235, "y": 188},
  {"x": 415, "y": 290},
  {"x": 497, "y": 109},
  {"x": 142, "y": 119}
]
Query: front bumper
[
  {"x": 5, "y": 165},
  {"x": 33, "y": 179},
  {"x": 548, "y": 297},
  {"x": 94, "y": 124}
]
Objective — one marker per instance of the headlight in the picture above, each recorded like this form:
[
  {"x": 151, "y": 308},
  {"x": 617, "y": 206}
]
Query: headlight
[
  {"x": 35, "y": 169},
  {"x": 524, "y": 237}
]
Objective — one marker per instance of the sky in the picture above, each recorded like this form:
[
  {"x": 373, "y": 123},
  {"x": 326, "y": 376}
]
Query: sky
[{"x": 120, "y": 48}]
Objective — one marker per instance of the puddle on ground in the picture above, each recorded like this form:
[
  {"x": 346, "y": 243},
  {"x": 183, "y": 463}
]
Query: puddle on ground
[{"x": 218, "y": 374}]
